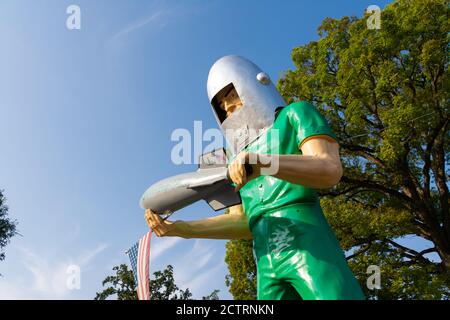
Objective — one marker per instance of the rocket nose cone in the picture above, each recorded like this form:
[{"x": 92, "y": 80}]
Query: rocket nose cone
[{"x": 142, "y": 201}]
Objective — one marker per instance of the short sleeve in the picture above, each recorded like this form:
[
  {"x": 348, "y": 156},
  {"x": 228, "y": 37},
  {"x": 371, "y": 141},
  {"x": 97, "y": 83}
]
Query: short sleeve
[{"x": 307, "y": 122}]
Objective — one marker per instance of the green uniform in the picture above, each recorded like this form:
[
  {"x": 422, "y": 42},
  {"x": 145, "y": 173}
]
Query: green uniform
[{"x": 297, "y": 253}]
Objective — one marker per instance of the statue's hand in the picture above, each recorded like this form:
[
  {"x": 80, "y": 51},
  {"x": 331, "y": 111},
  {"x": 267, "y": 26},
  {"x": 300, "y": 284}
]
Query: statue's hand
[
  {"x": 237, "y": 172},
  {"x": 161, "y": 227}
]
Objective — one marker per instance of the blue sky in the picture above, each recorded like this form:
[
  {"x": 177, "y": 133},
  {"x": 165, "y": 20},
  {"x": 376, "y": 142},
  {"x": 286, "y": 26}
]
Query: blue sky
[{"x": 86, "y": 119}]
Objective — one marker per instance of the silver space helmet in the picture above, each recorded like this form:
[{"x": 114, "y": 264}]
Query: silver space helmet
[{"x": 258, "y": 94}]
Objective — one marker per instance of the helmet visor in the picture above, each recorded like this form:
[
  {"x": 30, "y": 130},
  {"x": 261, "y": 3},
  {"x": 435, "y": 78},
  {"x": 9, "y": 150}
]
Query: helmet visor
[{"x": 218, "y": 102}]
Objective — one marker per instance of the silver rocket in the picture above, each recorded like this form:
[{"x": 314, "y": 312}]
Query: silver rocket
[{"x": 210, "y": 183}]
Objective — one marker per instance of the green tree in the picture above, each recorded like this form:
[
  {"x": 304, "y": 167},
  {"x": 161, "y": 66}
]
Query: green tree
[
  {"x": 162, "y": 287},
  {"x": 386, "y": 94},
  {"x": 7, "y": 226},
  {"x": 241, "y": 277},
  {"x": 121, "y": 284},
  {"x": 212, "y": 296}
]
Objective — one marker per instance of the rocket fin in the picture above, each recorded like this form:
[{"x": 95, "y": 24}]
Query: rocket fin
[
  {"x": 223, "y": 197},
  {"x": 213, "y": 159}
]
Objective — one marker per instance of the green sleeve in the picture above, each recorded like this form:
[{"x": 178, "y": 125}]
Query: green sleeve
[{"x": 307, "y": 121}]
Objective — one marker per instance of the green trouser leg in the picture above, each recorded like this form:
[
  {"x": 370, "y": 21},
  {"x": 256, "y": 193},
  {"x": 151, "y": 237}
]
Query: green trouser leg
[{"x": 299, "y": 257}]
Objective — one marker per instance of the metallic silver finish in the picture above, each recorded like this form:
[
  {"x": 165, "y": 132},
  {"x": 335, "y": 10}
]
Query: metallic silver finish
[
  {"x": 210, "y": 183},
  {"x": 263, "y": 78},
  {"x": 258, "y": 94}
]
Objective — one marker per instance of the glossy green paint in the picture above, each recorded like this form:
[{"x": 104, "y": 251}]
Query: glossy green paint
[{"x": 297, "y": 253}]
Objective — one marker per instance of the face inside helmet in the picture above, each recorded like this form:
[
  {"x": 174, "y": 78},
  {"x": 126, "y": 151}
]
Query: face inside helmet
[{"x": 226, "y": 102}]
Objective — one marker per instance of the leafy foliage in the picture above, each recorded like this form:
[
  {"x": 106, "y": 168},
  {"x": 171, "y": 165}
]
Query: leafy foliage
[
  {"x": 242, "y": 269},
  {"x": 386, "y": 95},
  {"x": 121, "y": 284},
  {"x": 7, "y": 226},
  {"x": 162, "y": 287},
  {"x": 212, "y": 296}
]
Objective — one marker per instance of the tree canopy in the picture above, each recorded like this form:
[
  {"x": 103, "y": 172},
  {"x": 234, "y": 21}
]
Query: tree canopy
[
  {"x": 7, "y": 226},
  {"x": 122, "y": 286},
  {"x": 385, "y": 92}
]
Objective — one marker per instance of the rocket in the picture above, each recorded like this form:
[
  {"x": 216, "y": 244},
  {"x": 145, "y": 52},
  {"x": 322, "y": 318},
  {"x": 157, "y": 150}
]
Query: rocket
[{"x": 210, "y": 182}]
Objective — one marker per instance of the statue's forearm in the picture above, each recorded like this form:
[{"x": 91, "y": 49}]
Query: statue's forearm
[
  {"x": 311, "y": 171},
  {"x": 225, "y": 226}
]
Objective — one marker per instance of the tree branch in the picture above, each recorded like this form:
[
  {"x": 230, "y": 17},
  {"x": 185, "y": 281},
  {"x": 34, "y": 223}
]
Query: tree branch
[
  {"x": 429, "y": 250},
  {"x": 360, "y": 251},
  {"x": 364, "y": 152},
  {"x": 427, "y": 160},
  {"x": 381, "y": 188},
  {"x": 409, "y": 253},
  {"x": 438, "y": 168}
]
